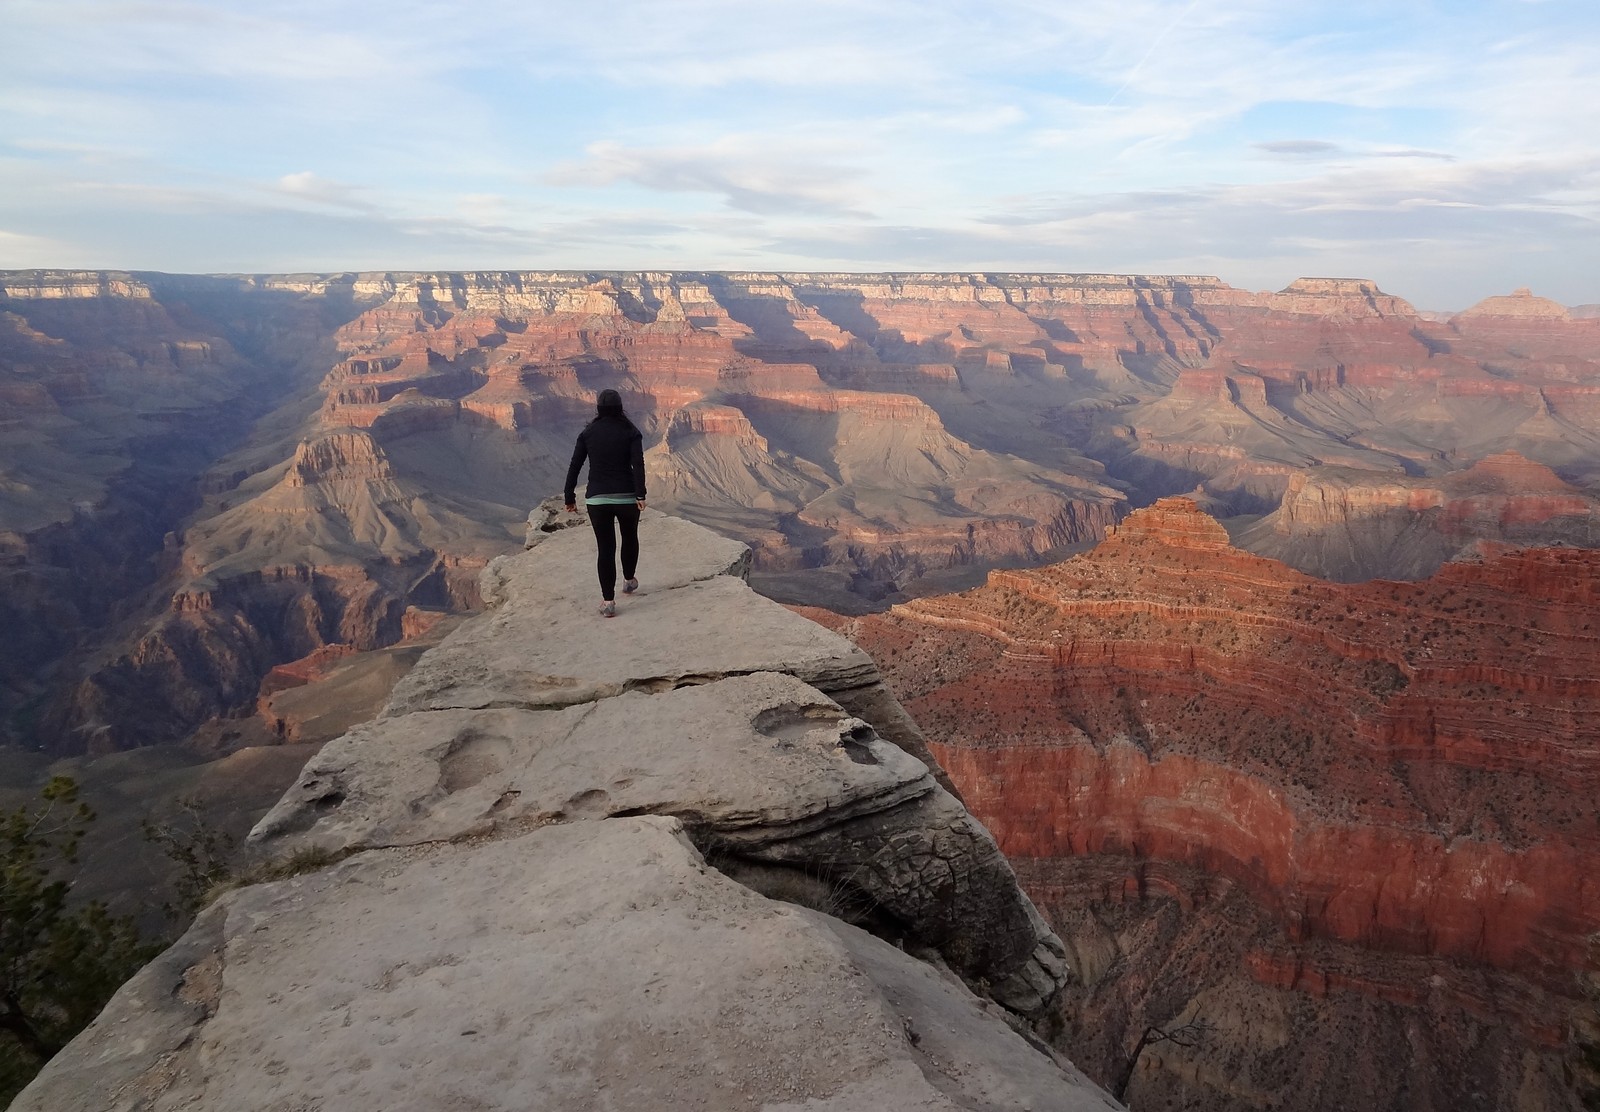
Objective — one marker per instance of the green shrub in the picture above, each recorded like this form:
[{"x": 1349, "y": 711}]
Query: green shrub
[{"x": 58, "y": 964}]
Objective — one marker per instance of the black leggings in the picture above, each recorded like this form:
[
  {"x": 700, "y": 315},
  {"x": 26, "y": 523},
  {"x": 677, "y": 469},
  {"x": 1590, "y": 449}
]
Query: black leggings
[{"x": 605, "y": 539}]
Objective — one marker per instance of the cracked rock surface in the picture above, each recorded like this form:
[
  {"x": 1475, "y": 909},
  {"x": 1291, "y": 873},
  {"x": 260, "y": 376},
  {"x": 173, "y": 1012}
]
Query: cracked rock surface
[
  {"x": 583, "y": 863},
  {"x": 693, "y": 620}
]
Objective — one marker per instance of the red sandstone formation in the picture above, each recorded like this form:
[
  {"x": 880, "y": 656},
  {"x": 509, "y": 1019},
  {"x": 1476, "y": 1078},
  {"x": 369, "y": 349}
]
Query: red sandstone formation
[
  {"x": 1335, "y": 374},
  {"x": 1391, "y": 768},
  {"x": 865, "y": 434},
  {"x": 1348, "y": 524},
  {"x": 1173, "y": 660}
]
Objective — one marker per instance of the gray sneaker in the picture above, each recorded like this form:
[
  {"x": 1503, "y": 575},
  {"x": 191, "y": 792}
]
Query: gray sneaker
[
  {"x": 609, "y": 610},
  {"x": 629, "y": 586}
]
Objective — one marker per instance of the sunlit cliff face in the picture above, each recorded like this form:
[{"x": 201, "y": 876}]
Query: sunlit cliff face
[
  {"x": 866, "y": 435},
  {"x": 1387, "y": 781}
]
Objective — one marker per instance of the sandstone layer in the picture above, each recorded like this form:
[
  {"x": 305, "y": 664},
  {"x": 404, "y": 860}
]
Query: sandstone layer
[
  {"x": 1301, "y": 811},
  {"x": 869, "y": 436},
  {"x": 1346, "y": 524},
  {"x": 546, "y": 902}
]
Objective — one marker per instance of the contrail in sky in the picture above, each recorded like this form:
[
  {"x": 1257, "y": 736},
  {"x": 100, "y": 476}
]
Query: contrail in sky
[{"x": 1140, "y": 63}]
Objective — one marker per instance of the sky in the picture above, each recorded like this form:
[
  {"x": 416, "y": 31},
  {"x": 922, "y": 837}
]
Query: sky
[{"x": 1448, "y": 150}]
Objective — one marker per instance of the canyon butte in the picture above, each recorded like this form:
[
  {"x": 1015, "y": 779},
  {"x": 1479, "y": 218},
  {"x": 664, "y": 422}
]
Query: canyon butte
[
  {"x": 1349, "y": 827},
  {"x": 1302, "y": 763}
]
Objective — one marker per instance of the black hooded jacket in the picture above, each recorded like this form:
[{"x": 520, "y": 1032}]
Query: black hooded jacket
[{"x": 615, "y": 451}]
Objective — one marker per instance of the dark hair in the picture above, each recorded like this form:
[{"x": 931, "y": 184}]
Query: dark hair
[{"x": 608, "y": 407}]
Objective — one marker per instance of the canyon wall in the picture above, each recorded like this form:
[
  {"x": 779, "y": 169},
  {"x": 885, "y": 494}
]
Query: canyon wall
[
  {"x": 1347, "y": 826},
  {"x": 117, "y": 393},
  {"x": 871, "y": 437}
]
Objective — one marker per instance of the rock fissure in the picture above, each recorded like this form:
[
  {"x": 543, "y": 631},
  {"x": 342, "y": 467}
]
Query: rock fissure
[{"x": 757, "y": 828}]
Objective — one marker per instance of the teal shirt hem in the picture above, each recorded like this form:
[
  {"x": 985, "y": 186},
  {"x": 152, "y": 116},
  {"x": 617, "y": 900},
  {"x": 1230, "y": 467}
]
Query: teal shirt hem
[{"x": 610, "y": 500}]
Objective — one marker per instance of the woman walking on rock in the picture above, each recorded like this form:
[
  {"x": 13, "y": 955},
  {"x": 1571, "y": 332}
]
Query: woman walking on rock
[{"x": 614, "y": 448}]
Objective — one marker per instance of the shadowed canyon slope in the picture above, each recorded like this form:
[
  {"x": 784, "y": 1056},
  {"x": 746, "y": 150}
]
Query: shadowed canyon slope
[
  {"x": 865, "y": 434},
  {"x": 671, "y": 861},
  {"x": 1350, "y": 826},
  {"x": 117, "y": 395}
]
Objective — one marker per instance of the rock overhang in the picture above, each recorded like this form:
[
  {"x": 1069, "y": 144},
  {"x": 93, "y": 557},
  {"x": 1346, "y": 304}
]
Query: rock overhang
[{"x": 732, "y": 753}]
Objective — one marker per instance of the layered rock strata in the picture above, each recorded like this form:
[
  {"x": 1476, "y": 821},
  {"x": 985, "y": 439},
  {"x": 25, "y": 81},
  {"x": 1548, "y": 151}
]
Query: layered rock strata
[
  {"x": 1339, "y": 523},
  {"x": 1335, "y": 374},
  {"x": 869, "y": 436},
  {"x": 117, "y": 393},
  {"x": 1244, "y": 793},
  {"x": 546, "y": 888},
  {"x": 774, "y": 410}
]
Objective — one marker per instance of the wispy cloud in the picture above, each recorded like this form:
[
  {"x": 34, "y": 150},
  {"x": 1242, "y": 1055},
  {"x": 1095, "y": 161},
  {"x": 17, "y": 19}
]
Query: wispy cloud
[
  {"x": 743, "y": 173},
  {"x": 1320, "y": 149},
  {"x": 1438, "y": 156},
  {"x": 1298, "y": 148},
  {"x": 279, "y": 43},
  {"x": 308, "y": 186},
  {"x": 1234, "y": 135}
]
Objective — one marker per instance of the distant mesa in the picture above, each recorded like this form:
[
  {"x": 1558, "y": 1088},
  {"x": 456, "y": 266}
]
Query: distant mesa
[
  {"x": 1519, "y": 303},
  {"x": 1341, "y": 296}
]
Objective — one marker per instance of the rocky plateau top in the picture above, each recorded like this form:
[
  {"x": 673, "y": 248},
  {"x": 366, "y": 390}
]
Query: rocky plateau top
[{"x": 665, "y": 861}]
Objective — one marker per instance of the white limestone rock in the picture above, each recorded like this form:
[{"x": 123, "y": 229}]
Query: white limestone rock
[
  {"x": 559, "y": 652},
  {"x": 753, "y": 752},
  {"x": 528, "y": 920},
  {"x": 774, "y": 779},
  {"x": 582, "y": 966}
]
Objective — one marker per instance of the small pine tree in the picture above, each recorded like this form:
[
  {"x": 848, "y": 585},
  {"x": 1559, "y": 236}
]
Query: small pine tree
[
  {"x": 58, "y": 964},
  {"x": 201, "y": 851}
]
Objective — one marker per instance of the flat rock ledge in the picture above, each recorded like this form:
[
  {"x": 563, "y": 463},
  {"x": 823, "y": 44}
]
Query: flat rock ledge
[{"x": 693, "y": 857}]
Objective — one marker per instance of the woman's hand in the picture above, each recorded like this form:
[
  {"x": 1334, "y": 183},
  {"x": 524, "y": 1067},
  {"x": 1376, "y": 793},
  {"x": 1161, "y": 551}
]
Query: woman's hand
[
  {"x": 639, "y": 502},
  {"x": 572, "y": 507}
]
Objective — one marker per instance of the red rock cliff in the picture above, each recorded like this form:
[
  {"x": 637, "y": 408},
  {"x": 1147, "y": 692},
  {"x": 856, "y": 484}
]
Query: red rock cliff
[{"x": 1399, "y": 771}]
